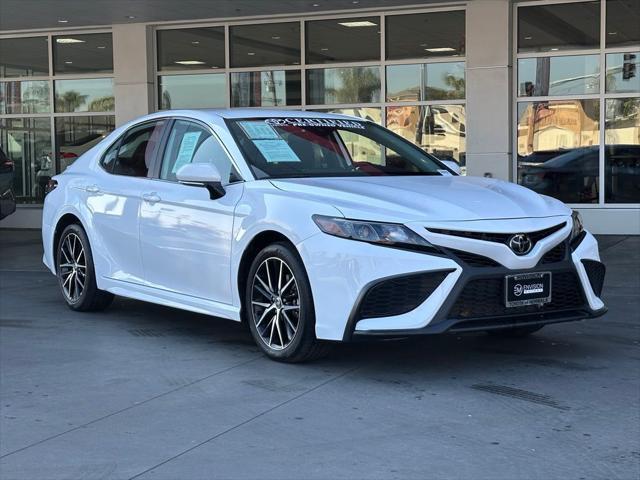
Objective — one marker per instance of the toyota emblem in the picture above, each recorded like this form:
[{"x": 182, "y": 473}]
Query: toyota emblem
[{"x": 520, "y": 243}]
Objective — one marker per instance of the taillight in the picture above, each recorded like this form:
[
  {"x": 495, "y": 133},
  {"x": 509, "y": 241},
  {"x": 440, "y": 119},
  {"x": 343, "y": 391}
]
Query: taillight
[
  {"x": 51, "y": 186},
  {"x": 68, "y": 155}
]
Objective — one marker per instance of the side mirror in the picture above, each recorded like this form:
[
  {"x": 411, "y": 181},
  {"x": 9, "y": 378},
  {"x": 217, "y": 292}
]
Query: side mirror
[
  {"x": 452, "y": 166},
  {"x": 203, "y": 175}
]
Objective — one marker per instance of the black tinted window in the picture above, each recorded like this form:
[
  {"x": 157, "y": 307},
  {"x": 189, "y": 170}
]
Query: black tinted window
[
  {"x": 136, "y": 149},
  {"x": 108, "y": 159}
]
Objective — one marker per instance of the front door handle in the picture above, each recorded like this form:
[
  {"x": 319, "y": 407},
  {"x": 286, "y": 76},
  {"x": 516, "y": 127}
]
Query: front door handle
[
  {"x": 151, "y": 198},
  {"x": 93, "y": 189}
]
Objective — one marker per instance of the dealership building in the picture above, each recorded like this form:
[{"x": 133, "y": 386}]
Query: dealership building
[{"x": 545, "y": 93}]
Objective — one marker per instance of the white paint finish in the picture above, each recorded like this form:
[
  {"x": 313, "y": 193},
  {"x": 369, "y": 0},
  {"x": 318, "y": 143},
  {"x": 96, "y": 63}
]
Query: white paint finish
[
  {"x": 132, "y": 70},
  {"x": 588, "y": 249},
  {"x": 182, "y": 249}
]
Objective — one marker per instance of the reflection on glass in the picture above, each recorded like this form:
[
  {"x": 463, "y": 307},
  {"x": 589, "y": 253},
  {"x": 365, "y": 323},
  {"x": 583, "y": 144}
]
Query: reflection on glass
[
  {"x": 266, "y": 89},
  {"x": 343, "y": 40},
  {"x": 563, "y": 26},
  {"x": 192, "y": 91},
  {"x": 438, "y": 129},
  {"x": 404, "y": 83},
  {"x": 567, "y": 75},
  {"x": 444, "y": 81},
  {"x": 86, "y": 95},
  {"x": 437, "y": 34},
  {"x": 623, "y": 72},
  {"x": 30, "y": 96},
  {"x": 368, "y": 113},
  {"x": 88, "y": 53},
  {"x": 264, "y": 44},
  {"x": 343, "y": 85},
  {"x": 622, "y": 150},
  {"x": 76, "y": 135},
  {"x": 558, "y": 148},
  {"x": 27, "y": 142},
  {"x": 24, "y": 57},
  {"x": 623, "y": 18},
  {"x": 191, "y": 48}
]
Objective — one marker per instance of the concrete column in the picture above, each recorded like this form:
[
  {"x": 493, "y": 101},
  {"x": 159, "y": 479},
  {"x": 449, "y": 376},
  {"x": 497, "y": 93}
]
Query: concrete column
[
  {"x": 133, "y": 71},
  {"x": 488, "y": 90}
]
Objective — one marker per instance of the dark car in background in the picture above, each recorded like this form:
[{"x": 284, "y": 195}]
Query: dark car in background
[{"x": 7, "y": 195}]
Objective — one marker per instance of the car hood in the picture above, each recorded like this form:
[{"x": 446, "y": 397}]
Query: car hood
[{"x": 425, "y": 198}]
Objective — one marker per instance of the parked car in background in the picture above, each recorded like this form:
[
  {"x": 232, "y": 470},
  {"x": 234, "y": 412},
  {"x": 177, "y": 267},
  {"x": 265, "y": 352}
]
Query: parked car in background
[
  {"x": 311, "y": 227},
  {"x": 7, "y": 194}
]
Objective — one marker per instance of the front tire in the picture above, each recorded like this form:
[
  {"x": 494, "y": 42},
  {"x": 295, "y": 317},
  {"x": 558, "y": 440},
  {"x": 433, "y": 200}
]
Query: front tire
[
  {"x": 76, "y": 273},
  {"x": 278, "y": 306}
]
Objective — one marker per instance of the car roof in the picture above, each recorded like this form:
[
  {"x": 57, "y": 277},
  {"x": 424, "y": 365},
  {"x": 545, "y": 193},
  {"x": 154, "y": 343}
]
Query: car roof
[{"x": 234, "y": 113}]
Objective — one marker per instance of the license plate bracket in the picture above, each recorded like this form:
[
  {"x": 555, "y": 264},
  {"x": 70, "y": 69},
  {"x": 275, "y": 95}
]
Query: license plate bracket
[{"x": 532, "y": 288}]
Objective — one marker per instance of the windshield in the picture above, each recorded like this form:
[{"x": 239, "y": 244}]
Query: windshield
[{"x": 326, "y": 147}]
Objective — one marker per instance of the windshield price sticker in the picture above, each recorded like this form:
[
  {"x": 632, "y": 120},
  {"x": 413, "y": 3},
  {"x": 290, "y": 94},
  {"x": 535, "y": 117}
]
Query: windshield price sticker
[
  {"x": 259, "y": 131},
  {"x": 276, "y": 151},
  {"x": 314, "y": 122}
]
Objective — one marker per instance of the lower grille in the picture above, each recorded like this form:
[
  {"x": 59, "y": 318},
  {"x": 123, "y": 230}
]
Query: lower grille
[
  {"x": 484, "y": 297},
  {"x": 556, "y": 254},
  {"x": 399, "y": 295},
  {"x": 473, "y": 259},
  {"x": 595, "y": 272}
]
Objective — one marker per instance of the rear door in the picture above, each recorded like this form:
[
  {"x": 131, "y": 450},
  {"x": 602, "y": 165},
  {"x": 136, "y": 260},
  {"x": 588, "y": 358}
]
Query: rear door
[
  {"x": 185, "y": 235},
  {"x": 114, "y": 199}
]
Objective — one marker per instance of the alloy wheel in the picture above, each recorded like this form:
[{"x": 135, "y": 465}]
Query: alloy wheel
[
  {"x": 275, "y": 303},
  {"x": 72, "y": 266}
]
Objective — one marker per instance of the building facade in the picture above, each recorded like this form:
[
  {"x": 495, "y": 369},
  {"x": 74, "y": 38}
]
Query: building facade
[{"x": 545, "y": 93}]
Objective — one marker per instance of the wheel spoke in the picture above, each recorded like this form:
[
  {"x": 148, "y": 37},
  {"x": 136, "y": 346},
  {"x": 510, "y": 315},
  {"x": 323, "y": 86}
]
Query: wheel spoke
[
  {"x": 278, "y": 329},
  {"x": 280, "y": 278},
  {"x": 260, "y": 304},
  {"x": 286, "y": 308},
  {"x": 288, "y": 320},
  {"x": 286, "y": 285},
  {"x": 264, "y": 314},
  {"x": 270, "y": 286},
  {"x": 262, "y": 291},
  {"x": 273, "y": 324}
]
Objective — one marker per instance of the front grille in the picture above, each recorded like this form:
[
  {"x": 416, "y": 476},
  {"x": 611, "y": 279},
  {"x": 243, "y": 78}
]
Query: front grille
[
  {"x": 484, "y": 297},
  {"x": 595, "y": 272},
  {"x": 473, "y": 259},
  {"x": 499, "y": 237},
  {"x": 399, "y": 295},
  {"x": 556, "y": 254}
]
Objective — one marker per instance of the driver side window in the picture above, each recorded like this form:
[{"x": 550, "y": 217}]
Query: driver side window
[{"x": 191, "y": 143}]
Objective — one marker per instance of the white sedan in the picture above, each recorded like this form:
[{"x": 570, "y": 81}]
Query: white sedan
[{"x": 311, "y": 228}]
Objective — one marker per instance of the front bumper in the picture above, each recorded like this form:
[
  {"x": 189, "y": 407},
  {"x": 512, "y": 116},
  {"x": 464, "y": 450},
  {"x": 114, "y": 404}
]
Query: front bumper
[{"x": 460, "y": 292}]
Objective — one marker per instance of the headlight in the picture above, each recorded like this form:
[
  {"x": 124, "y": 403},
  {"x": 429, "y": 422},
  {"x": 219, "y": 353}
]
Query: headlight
[
  {"x": 388, "y": 234},
  {"x": 578, "y": 226}
]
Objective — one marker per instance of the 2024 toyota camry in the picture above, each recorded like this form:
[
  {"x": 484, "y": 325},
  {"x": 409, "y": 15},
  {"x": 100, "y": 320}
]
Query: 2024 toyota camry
[{"x": 310, "y": 228}]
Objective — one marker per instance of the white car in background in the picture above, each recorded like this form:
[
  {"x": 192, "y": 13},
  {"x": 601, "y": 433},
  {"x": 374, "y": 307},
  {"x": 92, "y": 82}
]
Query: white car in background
[{"x": 278, "y": 219}]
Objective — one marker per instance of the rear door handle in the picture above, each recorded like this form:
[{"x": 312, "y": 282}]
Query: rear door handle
[
  {"x": 151, "y": 197},
  {"x": 93, "y": 189}
]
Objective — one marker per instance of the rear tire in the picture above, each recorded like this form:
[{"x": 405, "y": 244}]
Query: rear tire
[
  {"x": 515, "y": 332},
  {"x": 278, "y": 306},
  {"x": 76, "y": 273}
]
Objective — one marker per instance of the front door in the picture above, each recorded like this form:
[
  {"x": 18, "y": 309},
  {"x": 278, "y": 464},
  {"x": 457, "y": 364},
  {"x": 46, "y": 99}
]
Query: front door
[{"x": 185, "y": 235}]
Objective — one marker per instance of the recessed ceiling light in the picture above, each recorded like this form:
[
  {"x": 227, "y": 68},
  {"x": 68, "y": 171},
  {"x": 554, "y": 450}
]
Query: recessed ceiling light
[
  {"x": 101, "y": 47},
  {"x": 131, "y": 17},
  {"x": 69, "y": 40},
  {"x": 62, "y": 20},
  {"x": 189, "y": 62},
  {"x": 529, "y": 37},
  {"x": 440, "y": 49},
  {"x": 315, "y": 5},
  {"x": 251, "y": 53},
  {"x": 555, "y": 49},
  {"x": 355, "y": 2},
  {"x": 365, "y": 23},
  {"x": 195, "y": 42},
  {"x": 68, "y": 62},
  {"x": 612, "y": 33},
  {"x": 275, "y": 37},
  {"x": 324, "y": 49}
]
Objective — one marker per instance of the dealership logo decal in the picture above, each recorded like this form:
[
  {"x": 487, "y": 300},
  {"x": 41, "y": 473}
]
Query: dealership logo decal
[
  {"x": 517, "y": 289},
  {"x": 520, "y": 243}
]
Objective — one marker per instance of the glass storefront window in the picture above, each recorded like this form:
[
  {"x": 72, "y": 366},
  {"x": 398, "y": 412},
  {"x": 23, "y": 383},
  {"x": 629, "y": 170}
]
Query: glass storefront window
[
  {"x": 368, "y": 113},
  {"x": 343, "y": 40},
  {"x": 86, "y": 53},
  {"x": 623, "y": 72},
  {"x": 266, "y": 89},
  {"x": 24, "y": 57},
  {"x": 558, "y": 148},
  {"x": 562, "y": 26},
  {"x": 31, "y": 96},
  {"x": 622, "y": 150},
  {"x": 438, "y": 34},
  {"x": 27, "y": 142},
  {"x": 432, "y": 81},
  {"x": 76, "y": 135},
  {"x": 192, "y": 91},
  {"x": 623, "y": 20},
  {"x": 343, "y": 85},
  {"x": 264, "y": 44},
  {"x": 564, "y": 75},
  {"x": 191, "y": 48},
  {"x": 438, "y": 129},
  {"x": 86, "y": 95}
]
